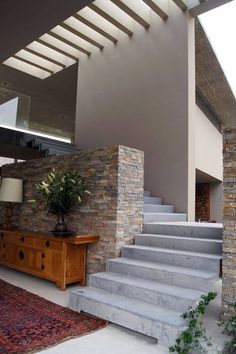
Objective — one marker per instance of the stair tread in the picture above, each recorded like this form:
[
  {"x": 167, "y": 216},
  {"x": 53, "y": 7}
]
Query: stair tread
[
  {"x": 189, "y": 294},
  {"x": 164, "y": 205},
  {"x": 161, "y": 213},
  {"x": 137, "y": 307},
  {"x": 188, "y": 224},
  {"x": 174, "y": 251},
  {"x": 182, "y": 238},
  {"x": 205, "y": 274}
]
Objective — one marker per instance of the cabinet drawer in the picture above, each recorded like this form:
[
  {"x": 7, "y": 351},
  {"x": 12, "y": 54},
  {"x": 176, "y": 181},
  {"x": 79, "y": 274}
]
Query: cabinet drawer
[
  {"x": 17, "y": 239},
  {"x": 48, "y": 243}
]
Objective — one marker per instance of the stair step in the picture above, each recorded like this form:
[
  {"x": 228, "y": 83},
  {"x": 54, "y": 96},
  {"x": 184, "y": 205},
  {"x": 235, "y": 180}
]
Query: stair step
[
  {"x": 192, "y": 244},
  {"x": 154, "y": 208},
  {"x": 164, "y": 273},
  {"x": 163, "y": 295},
  {"x": 147, "y": 194},
  {"x": 180, "y": 258},
  {"x": 157, "y": 322},
  {"x": 155, "y": 217},
  {"x": 152, "y": 200},
  {"x": 188, "y": 229}
]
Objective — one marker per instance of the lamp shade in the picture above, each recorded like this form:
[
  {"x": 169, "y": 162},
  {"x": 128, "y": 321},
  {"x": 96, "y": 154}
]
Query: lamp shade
[{"x": 11, "y": 190}]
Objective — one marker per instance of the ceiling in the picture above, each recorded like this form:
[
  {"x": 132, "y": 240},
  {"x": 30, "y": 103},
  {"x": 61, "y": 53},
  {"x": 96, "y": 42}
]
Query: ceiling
[
  {"x": 53, "y": 100},
  {"x": 21, "y": 21}
]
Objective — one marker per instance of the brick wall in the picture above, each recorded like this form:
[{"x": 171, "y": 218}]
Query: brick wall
[
  {"x": 114, "y": 208},
  {"x": 203, "y": 201},
  {"x": 229, "y": 243}
]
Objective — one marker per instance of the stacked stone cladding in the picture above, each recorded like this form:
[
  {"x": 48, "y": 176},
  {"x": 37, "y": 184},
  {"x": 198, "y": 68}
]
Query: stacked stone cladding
[
  {"x": 229, "y": 242},
  {"x": 113, "y": 209},
  {"x": 203, "y": 201}
]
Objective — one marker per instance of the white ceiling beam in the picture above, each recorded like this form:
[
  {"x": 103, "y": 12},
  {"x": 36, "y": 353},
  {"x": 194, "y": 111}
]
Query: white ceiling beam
[
  {"x": 206, "y": 6},
  {"x": 33, "y": 64},
  {"x": 181, "y": 4},
  {"x": 131, "y": 13},
  {"x": 95, "y": 28},
  {"x": 73, "y": 45},
  {"x": 81, "y": 35},
  {"x": 156, "y": 9},
  {"x": 45, "y": 57},
  {"x": 51, "y": 46},
  {"x": 110, "y": 19}
]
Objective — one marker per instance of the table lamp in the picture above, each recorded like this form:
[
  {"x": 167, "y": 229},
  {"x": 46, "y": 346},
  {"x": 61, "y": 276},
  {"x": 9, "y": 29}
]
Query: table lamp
[{"x": 11, "y": 191}]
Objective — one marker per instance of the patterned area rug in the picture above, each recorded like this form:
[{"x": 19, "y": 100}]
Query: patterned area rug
[{"x": 29, "y": 323}]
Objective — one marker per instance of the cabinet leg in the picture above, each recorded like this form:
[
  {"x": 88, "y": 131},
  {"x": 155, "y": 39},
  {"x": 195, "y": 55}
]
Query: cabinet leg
[
  {"x": 83, "y": 282},
  {"x": 61, "y": 286}
]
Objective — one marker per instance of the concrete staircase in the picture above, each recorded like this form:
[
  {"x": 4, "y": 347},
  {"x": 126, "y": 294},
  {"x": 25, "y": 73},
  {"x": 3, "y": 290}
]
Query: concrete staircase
[
  {"x": 155, "y": 280},
  {"x": 155, "y": 211}
]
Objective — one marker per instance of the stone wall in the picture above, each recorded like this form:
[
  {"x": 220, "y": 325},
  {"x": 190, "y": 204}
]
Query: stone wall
[
  {"x": 114, "y": 208},
  {"x": 203, "y": 201},
  {"x": 229, "y": 243}
]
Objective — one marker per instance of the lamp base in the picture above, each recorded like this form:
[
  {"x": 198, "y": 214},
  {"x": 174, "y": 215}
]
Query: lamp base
[{"x": 7, "y": 225}]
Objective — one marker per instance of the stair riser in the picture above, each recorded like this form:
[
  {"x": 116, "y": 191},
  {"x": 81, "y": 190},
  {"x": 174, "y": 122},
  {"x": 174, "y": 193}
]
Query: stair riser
[
  {"x": 158, "y": 208},
  {"x": 184, "y": 231},
  {"x": 165, "y": 334},
  {"x": 195, "y": 262},
  {"x": 151, "y": 200},
  {"x": 147, "y": 194},
  {"x": 163, "y": 300},
  {"x": 164, "y": 276},
  {"x": 180, "y": 244},
  {"x": 163, "y": 217}
]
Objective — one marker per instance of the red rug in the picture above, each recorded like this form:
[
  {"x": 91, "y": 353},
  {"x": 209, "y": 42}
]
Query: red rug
[{"x": 29, "y": 323}]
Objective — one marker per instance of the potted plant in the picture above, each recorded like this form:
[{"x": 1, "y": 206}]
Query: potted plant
[{"x": 62, "y": 191}]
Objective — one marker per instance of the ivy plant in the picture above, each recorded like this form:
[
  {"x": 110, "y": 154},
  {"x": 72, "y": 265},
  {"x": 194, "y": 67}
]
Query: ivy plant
[
  {"x": 229, "y": 328},
  {"x": 194, "y": 337}
]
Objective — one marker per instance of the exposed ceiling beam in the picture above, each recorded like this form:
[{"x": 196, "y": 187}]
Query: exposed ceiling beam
[
  {"x": 44, "y": 57},
  {"x": 110, "y": 19},
  {"x": 81, "y": 35},
  {"x": 206, "y": 6},
  {"x": 41, "y": 41},
  {"x": 181, "y": 4},
  {"x": 95, "y": 28},
  {"x": 33, "y": 64},
  {"x": 131, "y": 13},
  {"x": 156, "y": 9},
  {"x": 64, "y": 40}
]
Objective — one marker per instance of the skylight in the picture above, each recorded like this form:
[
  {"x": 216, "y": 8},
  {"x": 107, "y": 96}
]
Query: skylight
[
  {"x": 220, "y": 27},
  {"x": 91, "y": 29}
]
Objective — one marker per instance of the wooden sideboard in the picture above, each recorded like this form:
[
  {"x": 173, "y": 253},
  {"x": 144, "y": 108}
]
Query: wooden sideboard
[{"x": 61, "y": 260}]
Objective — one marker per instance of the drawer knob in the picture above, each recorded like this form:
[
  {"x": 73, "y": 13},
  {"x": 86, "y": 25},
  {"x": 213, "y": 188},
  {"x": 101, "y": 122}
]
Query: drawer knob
[
  {"x": 47, "y": 243},
  {"x": 22, "y": 239},
  {"x": 3, "y": 256},
  {"x": 43, "y": 255},
  {"x": 2, "y": 234},
  {"x": 42, "y": 267},
  {"x": 4, "y": 246},
  {"x": 21, "y": 255}
]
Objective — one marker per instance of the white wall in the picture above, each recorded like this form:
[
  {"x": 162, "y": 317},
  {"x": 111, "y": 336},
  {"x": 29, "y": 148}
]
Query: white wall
[
  {"x": 208, "y": 146},
  {"x": 137, "y": 94}
]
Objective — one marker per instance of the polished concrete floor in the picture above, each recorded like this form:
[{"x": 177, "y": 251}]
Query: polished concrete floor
[{"x": 113, "y": 339}]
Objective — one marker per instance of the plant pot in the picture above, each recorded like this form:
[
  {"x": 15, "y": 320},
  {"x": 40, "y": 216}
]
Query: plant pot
[{"x": 60, "y": 226}]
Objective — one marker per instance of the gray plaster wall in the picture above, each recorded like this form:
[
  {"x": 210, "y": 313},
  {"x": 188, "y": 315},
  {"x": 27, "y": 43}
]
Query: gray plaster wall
[
  {"x": 137, "y": 93},
  {"x": 216, "y": 202}
]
